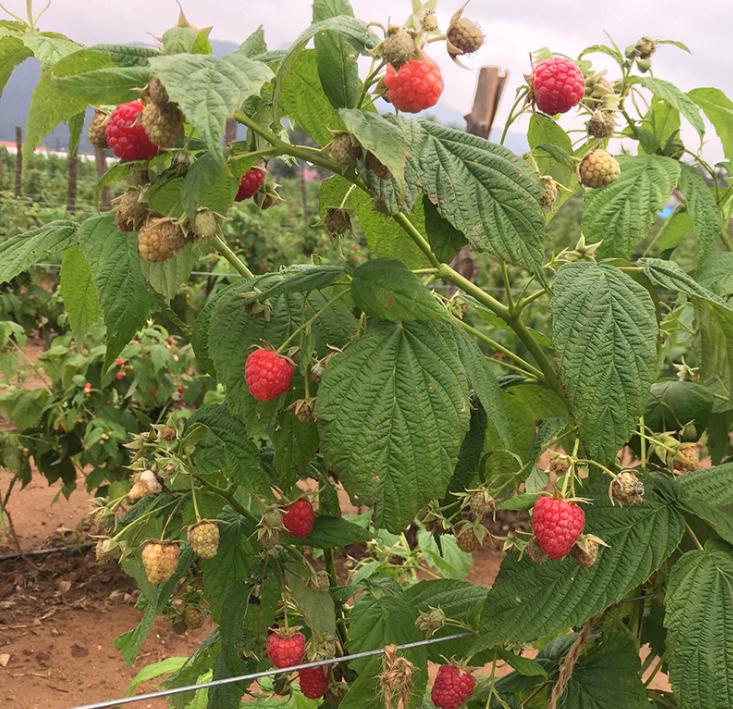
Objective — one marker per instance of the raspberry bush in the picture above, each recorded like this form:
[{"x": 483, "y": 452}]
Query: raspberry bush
[{"x": 372, "y": 426}]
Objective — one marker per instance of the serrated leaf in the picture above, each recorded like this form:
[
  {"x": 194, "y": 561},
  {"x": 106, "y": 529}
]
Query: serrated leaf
[
  {"x": 715, "y": 324},
  {"x": 719, "y": 520},
  {"x": 445, "y": 240},
  {"x": 544, "y": 130},
  {"x": 482, "y": 189},
  {"x": 675, "y": 97},
  {"x": 12, "y": 53},
  {"x": 640, "y": 538},
  {"x": 19, "y": 252},
  {"x": 605, "y": 333},
  {"x": 49, "y": 47},
  {"x": 388, "y": 290},
  {"x": 674, "y": 403},
  {"x": 712, "y": 484},
  {"x": 703, "y": 210},
  {"x": 111, "y": 85},
  {"x": 295, "y": 443},
  {"x": 621, "y": 214},
  {"x": 126, "y": 55},
  {"x": 394, "y": 409},
  {"x": 662, "y": 121},
  {"x": 200, "y": 333},
  {"x": 166, "y": 277},
  {"x": 719, "y": 110},
  {"x": 298, "y": 279},
  {"x": 115, "y": 265},
  {"x": 316, "y": 607},
  {"x": 209, "y": 90},
  {"x": 210, "y": 185},
  {"x": 79, "y": 293},
  {"x": 670, "y": 275},
  {"x": 699, "y": 616}
]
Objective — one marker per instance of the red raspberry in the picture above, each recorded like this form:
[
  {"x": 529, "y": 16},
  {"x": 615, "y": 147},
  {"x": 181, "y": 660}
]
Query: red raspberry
[
  {"x": 452, "y": 687},
  {"x": 119, "y": 376},
  {"x": 268, "y": 374},
  {"x": 250, "y": 183},
  {"x": 298, "y": 518},
  {"x": 416, "y": 86},
  {"x": 557, "y": 525},
  {"x": 557, "y": 85},
  {"x": 285, "y": 649},
  {"x": 119, "y": 361},
  {"x": 126, "y": 136},
  {"x": 313, "y": 682}
]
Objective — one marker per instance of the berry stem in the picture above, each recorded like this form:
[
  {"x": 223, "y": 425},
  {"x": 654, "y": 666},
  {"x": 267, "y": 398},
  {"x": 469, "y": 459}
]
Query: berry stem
[
  {"x": 233, "y": 259},
  {"x": 642, "y": 441},
  {"x": 193, "y": 499},
  {"x": 310, "y": 321},
  {"x": 693, "y": 536}
]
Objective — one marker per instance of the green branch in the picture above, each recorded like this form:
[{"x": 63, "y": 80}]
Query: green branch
[{"x": 233, "y": 259}]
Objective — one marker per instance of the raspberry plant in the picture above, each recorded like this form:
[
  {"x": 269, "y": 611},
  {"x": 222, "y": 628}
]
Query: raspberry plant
[{"x": 430, "y": 409}]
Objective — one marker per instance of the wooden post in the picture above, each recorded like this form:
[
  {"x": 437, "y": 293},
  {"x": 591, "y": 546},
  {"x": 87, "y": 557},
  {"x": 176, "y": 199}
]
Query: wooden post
[
  {"x": 230, "y": 131},
  {"x": 72, "y": 180},
  {"x": 18, "y": 161},
  {"x": 101, "y": 162}
]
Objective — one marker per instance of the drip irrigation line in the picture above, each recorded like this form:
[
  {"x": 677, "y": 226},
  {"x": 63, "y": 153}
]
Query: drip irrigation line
[
  {"x": 266, "y": 673},
  {"x": 52, "y": 550}
]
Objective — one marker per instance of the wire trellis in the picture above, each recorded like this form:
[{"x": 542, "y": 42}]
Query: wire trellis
[{"x": 266, "y": 673}]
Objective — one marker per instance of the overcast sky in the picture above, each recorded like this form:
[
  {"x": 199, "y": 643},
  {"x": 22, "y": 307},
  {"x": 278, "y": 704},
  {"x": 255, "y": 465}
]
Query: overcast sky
[{"x": 512, "y": 27}]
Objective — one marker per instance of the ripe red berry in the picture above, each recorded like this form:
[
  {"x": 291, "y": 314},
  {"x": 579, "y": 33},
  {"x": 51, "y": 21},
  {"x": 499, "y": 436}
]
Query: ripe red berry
[
  {"x": 557, "y": 85},
  {"x": 452, "y": 687},
  {"x": 119, "y": 376},
  {"x": 313, "y": 682},
  {"x": 417, "y": 85},
  {"x": 557, "y": 525},
  {"x": 298, "y": 518},
  {"x": 125, "y": 134},
  {"x": 285, "y": 649},
  {"x": 119, "y": 361},
  {"x": 268, "y": 374},
  {"x": 250, "y": 183}
]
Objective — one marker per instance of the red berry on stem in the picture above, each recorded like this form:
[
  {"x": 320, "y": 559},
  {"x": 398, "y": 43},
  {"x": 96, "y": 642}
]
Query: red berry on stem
[
  {"x": 119, "y": 376},
  {"x": 250, "y": 183},
  {"x": 557, "y": 525},
  {"x": 417, "y": 85},
  {"x": 126, "y": 136},
  {"x": 313, "y": 682},
  {"x": 119, "y": 361},
  {"x": 452, "y": 687},
  {"x": 268, "y": 374},
  {"x": 557, "y": 85},
  {"x": 298, "y": 518},
  {"x": 285, "y": 649}
]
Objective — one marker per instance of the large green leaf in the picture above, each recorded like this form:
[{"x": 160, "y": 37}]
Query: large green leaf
[
  {"x": 530, "y": 601},
  {"x": 394, "y": 409},
  {"x": 715, "y": 342},
  {"x": 719, "y": 110},
  {"x": 699, "y": 619},
  {"x": 605, "y": 333},
  {"x": 670, "y": 275},
  {"x": 674, "y": 403},
  {"x": 542, "y": 131},
  {"x": 21, "y": 251},
  {"x": 621, "y": 214},
  {"x": 674, "y": 97},
  {"x": 209, "y": 90},
  {"x": 12, "y": 53},
  {"x": 482, "y": 189},
  {"x": 703, "y": 210},
  {"x": 49, "y": 47},
  {"x": 712, "y": 484},
  {"x": 316, "y": 607},
  {"x": 109, "y": 85},
  {"x": 166, "y": 277},
  {"x": 387, "y": 289},
  {"x": 81, "y": 301},
  {"x": 115, "y": 266},
  {"x": 662, "y": 122}
]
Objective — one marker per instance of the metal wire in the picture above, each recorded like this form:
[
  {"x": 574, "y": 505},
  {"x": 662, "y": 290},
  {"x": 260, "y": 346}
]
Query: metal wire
[{"x": 266, "y": 673}]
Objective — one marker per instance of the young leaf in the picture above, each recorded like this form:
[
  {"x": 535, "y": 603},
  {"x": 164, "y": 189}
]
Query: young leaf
[
  {"x": 21, "y": 251},
  {"x": 543, "y": 130},
  {"x": 621, "y": 214},
  {"x": 699, "y": 614},
  {"x": 77, "y": 289},
  {"x": 605, "y": 333},
  {"x": 111, "y": 85},
  {"x": 719, "y": 110},
  {"x": 675, "y": 97},
  {"x": 394, "y": 409}
]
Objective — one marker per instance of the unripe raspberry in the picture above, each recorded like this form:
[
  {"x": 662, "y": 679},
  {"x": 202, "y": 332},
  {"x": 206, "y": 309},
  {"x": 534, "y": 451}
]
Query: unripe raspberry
[
  {"x": 337, "y": 221},
  {"x": 627, "y": 488},
  {"x": 687, "y": 459},
  {"x": 250, "y": 183},
  {"x": 598, "y": 168},
  {"x": 126, "y": 136},
  {"x": 599, "y": 92},
  {"x": 645, "y": 47},
  {"x": 452, "y": 687},
  {"x": 163, "y": 124},
  {"x": 130, "y": 210},
  {"x": 193, "y": 617},
  {"x": 205, "y": 225},
  {"x": 466, "y": 537},
  {"x": 478, "y": 502},
  {"x": 204, "y": 539},
  {"x": 557, "y": 85},
  {"x": 268, "y": 374},
  {"x": 97, "y": 130},
  {"x": 601, "y": 124},
  {"x": 137, "y": 491},
  {"x": 160, "y": 240},
  {"x": 344, "y": 150},
  {"x": 417, "y": 85},
  {"x": 585, "y": 552},
  {"x": 464, "y": 37},
  {"x": 160, "y": 560},
  {"x": 549, "y": 192},
  {"x": 644, "y": 65},
  {"x": 429, "y": 622},
  {"x": 429, "y": 21},
  {"x": 151, "y": 481},
  {"x": 156, "y": 92},
  {"x": 534, "y": 552},
  {"x": 398, "y": 47}
]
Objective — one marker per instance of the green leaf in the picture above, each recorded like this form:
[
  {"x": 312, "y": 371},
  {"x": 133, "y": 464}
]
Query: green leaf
[
  {"x": 210, "y": 90},
  {"x": 674, "y": 97},
  {"x": 298, "y": 279},
  {"x": 316, "y": 607},
  {"x": 295, "y": 443},
  {"x": 523, "y": 501},
  {"x": 210, "y": 185},
  {"x": 719, "y": 520},
  {"x": 303, "y": 100},
  {"x": 674, "y": 403},
  {"x": 522, "y": 665},
  {"x": 19, "y": 252},
  {"x": 621, "y": 214},
  {"x": 605, "y": 333},
  {"x": 662, "y": 121},
  {"x": 380, "y": 137},
  {"x": 716, "y": 274},
  {"x": 12, "y": 53},
  {"x": 155, "y": 670},
  {"x": 166, "y": 277},
  {"x": 640, "y": 538},
  {"x": 482, "y": 189},
  {"x": 115, "y": 265},
  {"x": 254, "y": 45},
  {"x": 111, "y": 85},
  {"x": 699, "y": 616},
  {"x": 715, "y": 342},
  {"x": 48, "y": 47},
  {"x": 126, "y": 55},
  {"x": 336, "y": 56},
  {"x": 712, "y": 484},
  {"x": 331, "y": 533},
  {"x": 703, "y": 210},
  {"x": 544, "y": 130},
  {"x": 387, "y": 289},
  {"x": 77, "y": 289},
  {"x": 674, "y": 230},
  {"x": 394, "y": 409},
  {"x": 200, "y": 334},
  {"x": 445, "y": 240},
  {"x": 670, "y": 275},
  {"x": 719, "y": 110}
]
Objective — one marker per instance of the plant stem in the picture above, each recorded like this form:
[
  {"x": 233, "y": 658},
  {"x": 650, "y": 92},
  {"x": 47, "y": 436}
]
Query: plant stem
[
  {"x": 311, "y": 320},
  {"x": 654, "y": 673},
  {"x": 233, "y": 259},
  {"x": 524, "y": 302},
  {"x": 262, "y": 153},
  {"x": 333, "y": 580},
  {"x": 225, "y": 495},
  {"x": 507, "y": 287},
  {"x": 693, "y": 536},
  {"x": 642, "y": 440},
  {"x": 420, "y": 241}
]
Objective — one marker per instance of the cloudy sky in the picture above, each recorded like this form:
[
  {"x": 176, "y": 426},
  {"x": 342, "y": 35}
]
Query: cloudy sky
[{"x": 513, "y": 28}]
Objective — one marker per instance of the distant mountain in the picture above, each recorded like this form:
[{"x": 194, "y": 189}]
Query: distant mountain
[{"x": 16, "y": 99}]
